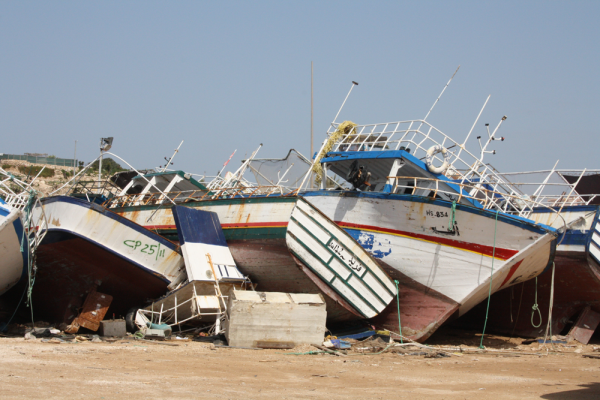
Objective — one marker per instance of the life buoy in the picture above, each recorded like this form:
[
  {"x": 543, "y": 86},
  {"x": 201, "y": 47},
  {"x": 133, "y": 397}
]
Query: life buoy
[{"x": 433, "y": 150}]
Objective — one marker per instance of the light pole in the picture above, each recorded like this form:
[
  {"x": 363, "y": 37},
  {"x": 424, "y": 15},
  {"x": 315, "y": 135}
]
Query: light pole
[{"x": 105, "y": 145}]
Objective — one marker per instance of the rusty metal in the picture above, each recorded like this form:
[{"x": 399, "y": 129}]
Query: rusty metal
[
  {"x": 93, "y": 311},
  {"x": 584, "y": 327}
]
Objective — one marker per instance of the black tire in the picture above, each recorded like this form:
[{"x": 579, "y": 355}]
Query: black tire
[{"x": 130, "y": 320}]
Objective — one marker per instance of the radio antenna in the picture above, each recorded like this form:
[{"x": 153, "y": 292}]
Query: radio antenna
[
  {"x": 438, "y": 99},
  {"x": 348, "y": 95}
]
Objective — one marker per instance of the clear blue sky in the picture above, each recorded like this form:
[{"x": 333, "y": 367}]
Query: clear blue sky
[{"x": 230, "y": 75}]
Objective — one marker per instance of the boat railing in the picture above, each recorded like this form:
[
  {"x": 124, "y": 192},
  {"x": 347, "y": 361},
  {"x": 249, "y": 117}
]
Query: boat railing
[
  {"x": 558, "y": 188},
  {"x": 17, "y": 201},
  {"x": 488, "y": 198},
  {"x": 105, "y": 188},
  {"x": 418, "y": 137},
  {"x": 195, "y": 195}
]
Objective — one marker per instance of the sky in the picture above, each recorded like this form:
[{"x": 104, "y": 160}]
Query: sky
[{"x": 230, "y": 75}]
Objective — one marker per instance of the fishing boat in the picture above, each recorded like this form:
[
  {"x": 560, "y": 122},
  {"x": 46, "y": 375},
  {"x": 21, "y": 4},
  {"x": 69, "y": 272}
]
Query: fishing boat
[
  {"x": 17, "y": 240},
  {"x": 437, "y": 236},
  {"x": 417, "y": 203},
  {"x": 88, "y": 248},
  {"x": 573, "y": 284},
  {"x": 276, "y": 238},
  {"x": 14, "y": 256}
]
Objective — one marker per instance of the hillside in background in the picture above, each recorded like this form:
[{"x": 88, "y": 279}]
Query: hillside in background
[{"x": 53, "y": 177}]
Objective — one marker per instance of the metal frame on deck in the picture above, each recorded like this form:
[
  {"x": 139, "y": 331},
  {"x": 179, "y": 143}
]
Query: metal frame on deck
[{"x": 489, "y": 199}]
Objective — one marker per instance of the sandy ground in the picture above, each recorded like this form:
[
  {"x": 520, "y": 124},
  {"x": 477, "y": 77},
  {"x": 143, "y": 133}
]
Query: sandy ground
[{"x": 129, "y": 368}]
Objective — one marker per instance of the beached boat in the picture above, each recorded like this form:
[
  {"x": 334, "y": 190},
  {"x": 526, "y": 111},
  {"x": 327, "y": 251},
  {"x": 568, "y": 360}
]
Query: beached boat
[
  {"x": 87, "y": 247},
  {"x": 17, "y": 240},
  {"x": 278, "y": 240},
  {"x": 576, "y": 284},
  {"x": 436, "y": 230},
  {"x": 438, "y": 234},
  {"x": 14, "y": 257}
]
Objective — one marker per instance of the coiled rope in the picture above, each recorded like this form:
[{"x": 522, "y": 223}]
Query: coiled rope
[{"x": 535, "y": 308}]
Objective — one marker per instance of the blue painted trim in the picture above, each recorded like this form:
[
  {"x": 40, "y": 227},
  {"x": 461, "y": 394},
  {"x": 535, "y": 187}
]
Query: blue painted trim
[
  {"x": 101, "y": 246},
  {"x": 362, "y": 155},
  {"x": 198, "y": 226},
  {"x": 111, "y": 215},
  {"x": 18, "y": 226},
  {"x": 589, "y": 242},
  {"x": 577, "y": 238},
  {"x": 554, "y": 245},
  {"x": 506, "y": 218}
]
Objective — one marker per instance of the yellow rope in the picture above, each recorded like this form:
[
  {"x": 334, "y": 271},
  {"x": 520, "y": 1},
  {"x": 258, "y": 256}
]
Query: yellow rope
[{"x": 343, "y": 129}]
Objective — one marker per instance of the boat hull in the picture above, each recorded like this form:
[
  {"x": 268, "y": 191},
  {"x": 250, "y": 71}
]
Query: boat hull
[
  {"x": 88, "y": 247},
  {"x": 14, "y": 261},
  {"x": 255, "y": 231},
  {"x": 576, "y": 283},
  {"x": 441, "y": 275}
]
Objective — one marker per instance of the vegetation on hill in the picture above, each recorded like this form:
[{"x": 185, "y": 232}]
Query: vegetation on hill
[
  {"x": 33, "y": 170},
  {"x": 109, "y": 166}
]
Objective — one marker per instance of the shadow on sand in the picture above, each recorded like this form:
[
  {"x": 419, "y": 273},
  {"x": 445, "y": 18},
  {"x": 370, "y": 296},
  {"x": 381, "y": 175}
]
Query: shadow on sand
[{"x": 587, "y": 391}]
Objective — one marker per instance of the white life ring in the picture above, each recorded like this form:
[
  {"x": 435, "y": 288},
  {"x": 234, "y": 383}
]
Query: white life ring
[{"x": 433, "y": 150}]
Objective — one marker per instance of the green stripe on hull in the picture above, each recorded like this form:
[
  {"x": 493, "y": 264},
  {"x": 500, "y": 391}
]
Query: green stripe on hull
[{"x": 237, "y": 233}]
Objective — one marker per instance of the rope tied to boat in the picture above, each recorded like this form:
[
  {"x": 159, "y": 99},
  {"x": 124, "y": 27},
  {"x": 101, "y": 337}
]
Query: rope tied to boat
[
  {"x": 343, "y": 129},
  {"x": 452, "y": 216},
  {"x": 491, "y": 280},
  {"x": 398, "y": 303},
  {"x": 535, "y": 308}
]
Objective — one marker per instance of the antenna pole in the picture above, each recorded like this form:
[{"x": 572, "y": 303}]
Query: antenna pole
[
  {"x": 348, "y": 95},
  {"x": 100, "y": 170},
  {"x": 172, "y": 157},
  {"x": 438, "y": 99},
  {"x": 75, "y": 159},
  {"x": 538, "y": 191},
  {"x": 311, "y": 115},
  {"x": 476, "y": 119}
]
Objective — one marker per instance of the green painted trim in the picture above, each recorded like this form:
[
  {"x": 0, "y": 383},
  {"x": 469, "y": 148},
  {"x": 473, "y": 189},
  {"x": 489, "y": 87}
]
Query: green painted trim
[
  {"x": 236, "y": 233},
  {"x": 367, "y": 269},
  {"x": 368, "y": 303},
  {"x": 217, "y": 202},
  {"x": 331, "y": 286}
]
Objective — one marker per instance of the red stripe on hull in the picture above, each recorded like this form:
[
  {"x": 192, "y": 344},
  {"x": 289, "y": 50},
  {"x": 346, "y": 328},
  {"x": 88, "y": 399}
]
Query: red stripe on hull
[
  {"x": 512, "y": 271},
  {"x": 229, "y": 226},
  {"x": 503, "y": 254}
]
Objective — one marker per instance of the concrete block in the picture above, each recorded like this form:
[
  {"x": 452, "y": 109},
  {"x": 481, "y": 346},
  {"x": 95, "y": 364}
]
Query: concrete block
[
  {"x": 274, "y": 320},
  {"x": 114, "y": 327}
]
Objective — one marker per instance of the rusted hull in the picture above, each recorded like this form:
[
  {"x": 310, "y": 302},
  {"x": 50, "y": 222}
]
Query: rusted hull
[
  {"x": 576, "y": 285},
  {"x": 69, "y": 267},
  {"x": 87, "y": 246},
  {"x": 439, "y": 275}
]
